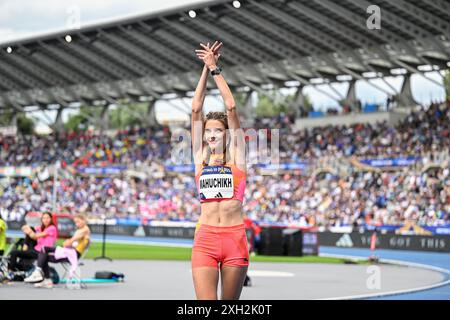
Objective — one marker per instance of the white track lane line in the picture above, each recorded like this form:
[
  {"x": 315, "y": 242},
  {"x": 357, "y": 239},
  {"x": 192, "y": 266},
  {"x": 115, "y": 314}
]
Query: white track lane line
[{"x": 390, "y": 293}]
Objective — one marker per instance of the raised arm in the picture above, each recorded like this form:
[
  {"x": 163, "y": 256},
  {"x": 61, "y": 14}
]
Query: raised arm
[
  {"x": 207, "y": 55},
  {"x": 197, "y": 107},
  {"x": 197, "y": 116},
  {"x": 237, "y": 146}
]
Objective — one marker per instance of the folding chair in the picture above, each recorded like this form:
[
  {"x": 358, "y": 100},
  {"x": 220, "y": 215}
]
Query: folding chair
[
  {"x": 74, "y": 281},
  {"x": 4, "y": 260}
]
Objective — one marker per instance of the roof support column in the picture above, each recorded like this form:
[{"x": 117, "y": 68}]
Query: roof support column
[
  {"x": 405, "y": 97},
  {"x": 151, "y": 113},
  {"x": 299, "y": 106},
  {"x": 14, "y": 119},
  {"x": 58, "y": 125},
  {"x": 350, "y": 99},
  {"x": 104, "y": 119},
  {"x": 248, "y": 112}
]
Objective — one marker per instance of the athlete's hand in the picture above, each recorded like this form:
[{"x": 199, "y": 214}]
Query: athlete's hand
[
  {"x": 215, "y": 48},
  {"x": 209, "y": 55}
]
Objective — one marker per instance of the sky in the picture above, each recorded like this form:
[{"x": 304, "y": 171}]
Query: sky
[{"x": 27, "y": 18}]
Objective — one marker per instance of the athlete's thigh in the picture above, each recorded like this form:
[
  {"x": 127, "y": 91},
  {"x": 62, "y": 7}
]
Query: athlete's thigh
[
  {"x": 232, "y": 281},
  {"x": 205, "y": 282}
]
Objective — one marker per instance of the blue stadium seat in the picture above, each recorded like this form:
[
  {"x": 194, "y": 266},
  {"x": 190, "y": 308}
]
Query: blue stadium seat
[
  {"x": 370, "y": 107},
  {"x": 315, "y": 114}
]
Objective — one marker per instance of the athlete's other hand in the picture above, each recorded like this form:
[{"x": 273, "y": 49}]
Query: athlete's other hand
[{"x": 215, "y": 48}]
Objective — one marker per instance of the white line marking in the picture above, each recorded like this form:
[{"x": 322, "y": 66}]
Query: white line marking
[
  {"x": 390, "y": 293},
  {"x": 265, "y": 273}
]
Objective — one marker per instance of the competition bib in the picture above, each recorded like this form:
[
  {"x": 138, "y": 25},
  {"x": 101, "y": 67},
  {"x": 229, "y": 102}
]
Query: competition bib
[{"x": 216, "y": 182}]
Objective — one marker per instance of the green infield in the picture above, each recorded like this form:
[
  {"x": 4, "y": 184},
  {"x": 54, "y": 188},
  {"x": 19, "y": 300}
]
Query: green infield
[{"x": 151, "y": 252}]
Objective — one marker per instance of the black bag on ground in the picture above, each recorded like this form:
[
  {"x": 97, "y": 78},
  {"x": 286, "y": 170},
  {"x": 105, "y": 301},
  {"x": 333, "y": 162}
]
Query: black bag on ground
[{"x": 109, "y": 275}]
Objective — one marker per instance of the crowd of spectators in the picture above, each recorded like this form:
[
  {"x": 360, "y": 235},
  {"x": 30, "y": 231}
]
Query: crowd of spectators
[{"x": 389, "y": 197}]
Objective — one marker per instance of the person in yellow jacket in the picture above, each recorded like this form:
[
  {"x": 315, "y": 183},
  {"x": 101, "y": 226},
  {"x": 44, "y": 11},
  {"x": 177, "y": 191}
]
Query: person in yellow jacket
[{"x": 3, "y": 228}]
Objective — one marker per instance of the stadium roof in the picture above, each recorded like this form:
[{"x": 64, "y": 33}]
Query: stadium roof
[{"x": 265, "y": 42}]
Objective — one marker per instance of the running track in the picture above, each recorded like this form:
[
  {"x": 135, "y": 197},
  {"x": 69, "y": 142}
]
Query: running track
[{"x": 433, "y": 259}]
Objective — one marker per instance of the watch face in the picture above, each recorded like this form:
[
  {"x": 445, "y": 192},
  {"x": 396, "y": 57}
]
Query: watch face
[{"x": 216, "y": 71}]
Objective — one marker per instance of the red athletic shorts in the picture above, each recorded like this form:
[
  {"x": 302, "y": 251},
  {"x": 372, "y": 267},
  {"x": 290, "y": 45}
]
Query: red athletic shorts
[{"x": 227, "y": 245}]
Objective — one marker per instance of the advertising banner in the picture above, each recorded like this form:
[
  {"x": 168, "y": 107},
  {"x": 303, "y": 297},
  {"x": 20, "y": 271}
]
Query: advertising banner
[
  {"x": 388, "y": 240},
  {"x": 391, "y": 162}
]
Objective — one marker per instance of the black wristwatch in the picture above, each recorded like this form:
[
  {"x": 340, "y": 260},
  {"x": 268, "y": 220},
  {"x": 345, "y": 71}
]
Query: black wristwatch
[{"x": 216, "y": 71}]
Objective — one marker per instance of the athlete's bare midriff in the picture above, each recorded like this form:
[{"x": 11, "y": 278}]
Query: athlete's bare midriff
[{"x": 221, "y": 213}]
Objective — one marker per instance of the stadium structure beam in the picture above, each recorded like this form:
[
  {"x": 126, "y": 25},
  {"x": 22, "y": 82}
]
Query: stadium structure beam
[
  {"x": 134, "y": 69},
  {"x": 240, "y": 52},
  {"x": 61, "y": 68},
  {"x": 289, "y": 37},
  {"x": 308, "y": 83},
  {"x": 229, "y": 55},
  {"x": 344, "y": 31},
  {"x": 107, "y": 91},
  {"x": 44, "y": 114},
  {"x": 154, "y": 45},
  {"x": 26, "y": 67},
  {"x": 18, "y": 75},
  {"x": 417, "y": 71},
  {"x": 56, "y": 69},
  {"x": 12, "y": 103},
  {"x": 85, "y": 92},
  {"x": 52, "y": 67},
  {"x": 308, "y": 31},
  {"x": 195, "y": 34},
  {"x": 180, "y": 42},
  {"x": 319, "y": 36},
  {"x": 101, "y": 62},
  {"x": 330, "y": 85},
  {"x": 32, "y": 95},
  {"x": 18, "y": 98},
  {"x": 359, "y": 22},
  {"x": 142, "y": 70},
  {"x": 438, "y": 5},
  {"x": 389, "y": 85},
  {"x": 395, "y": 21},
  {"x": 432, "y": 21},
  {"x": 8, "y": 84},
  {"x": 33, "y": 69},
  {"x": 89, "y": 73},
  {"x": 359, "y": 77},
  {"x": 154, "y": 65},
  {"x": 259, "y": 39},
  {"x": 157, "y": 96}
]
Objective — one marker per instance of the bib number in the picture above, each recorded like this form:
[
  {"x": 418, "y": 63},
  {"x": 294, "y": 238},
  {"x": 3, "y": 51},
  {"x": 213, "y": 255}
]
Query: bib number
[{"x": 216, "y": 182}]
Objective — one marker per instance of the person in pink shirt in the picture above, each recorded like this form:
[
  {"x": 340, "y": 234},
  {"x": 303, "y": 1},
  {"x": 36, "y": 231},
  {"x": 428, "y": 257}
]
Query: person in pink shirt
[{"x": 44, "y": 235}]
